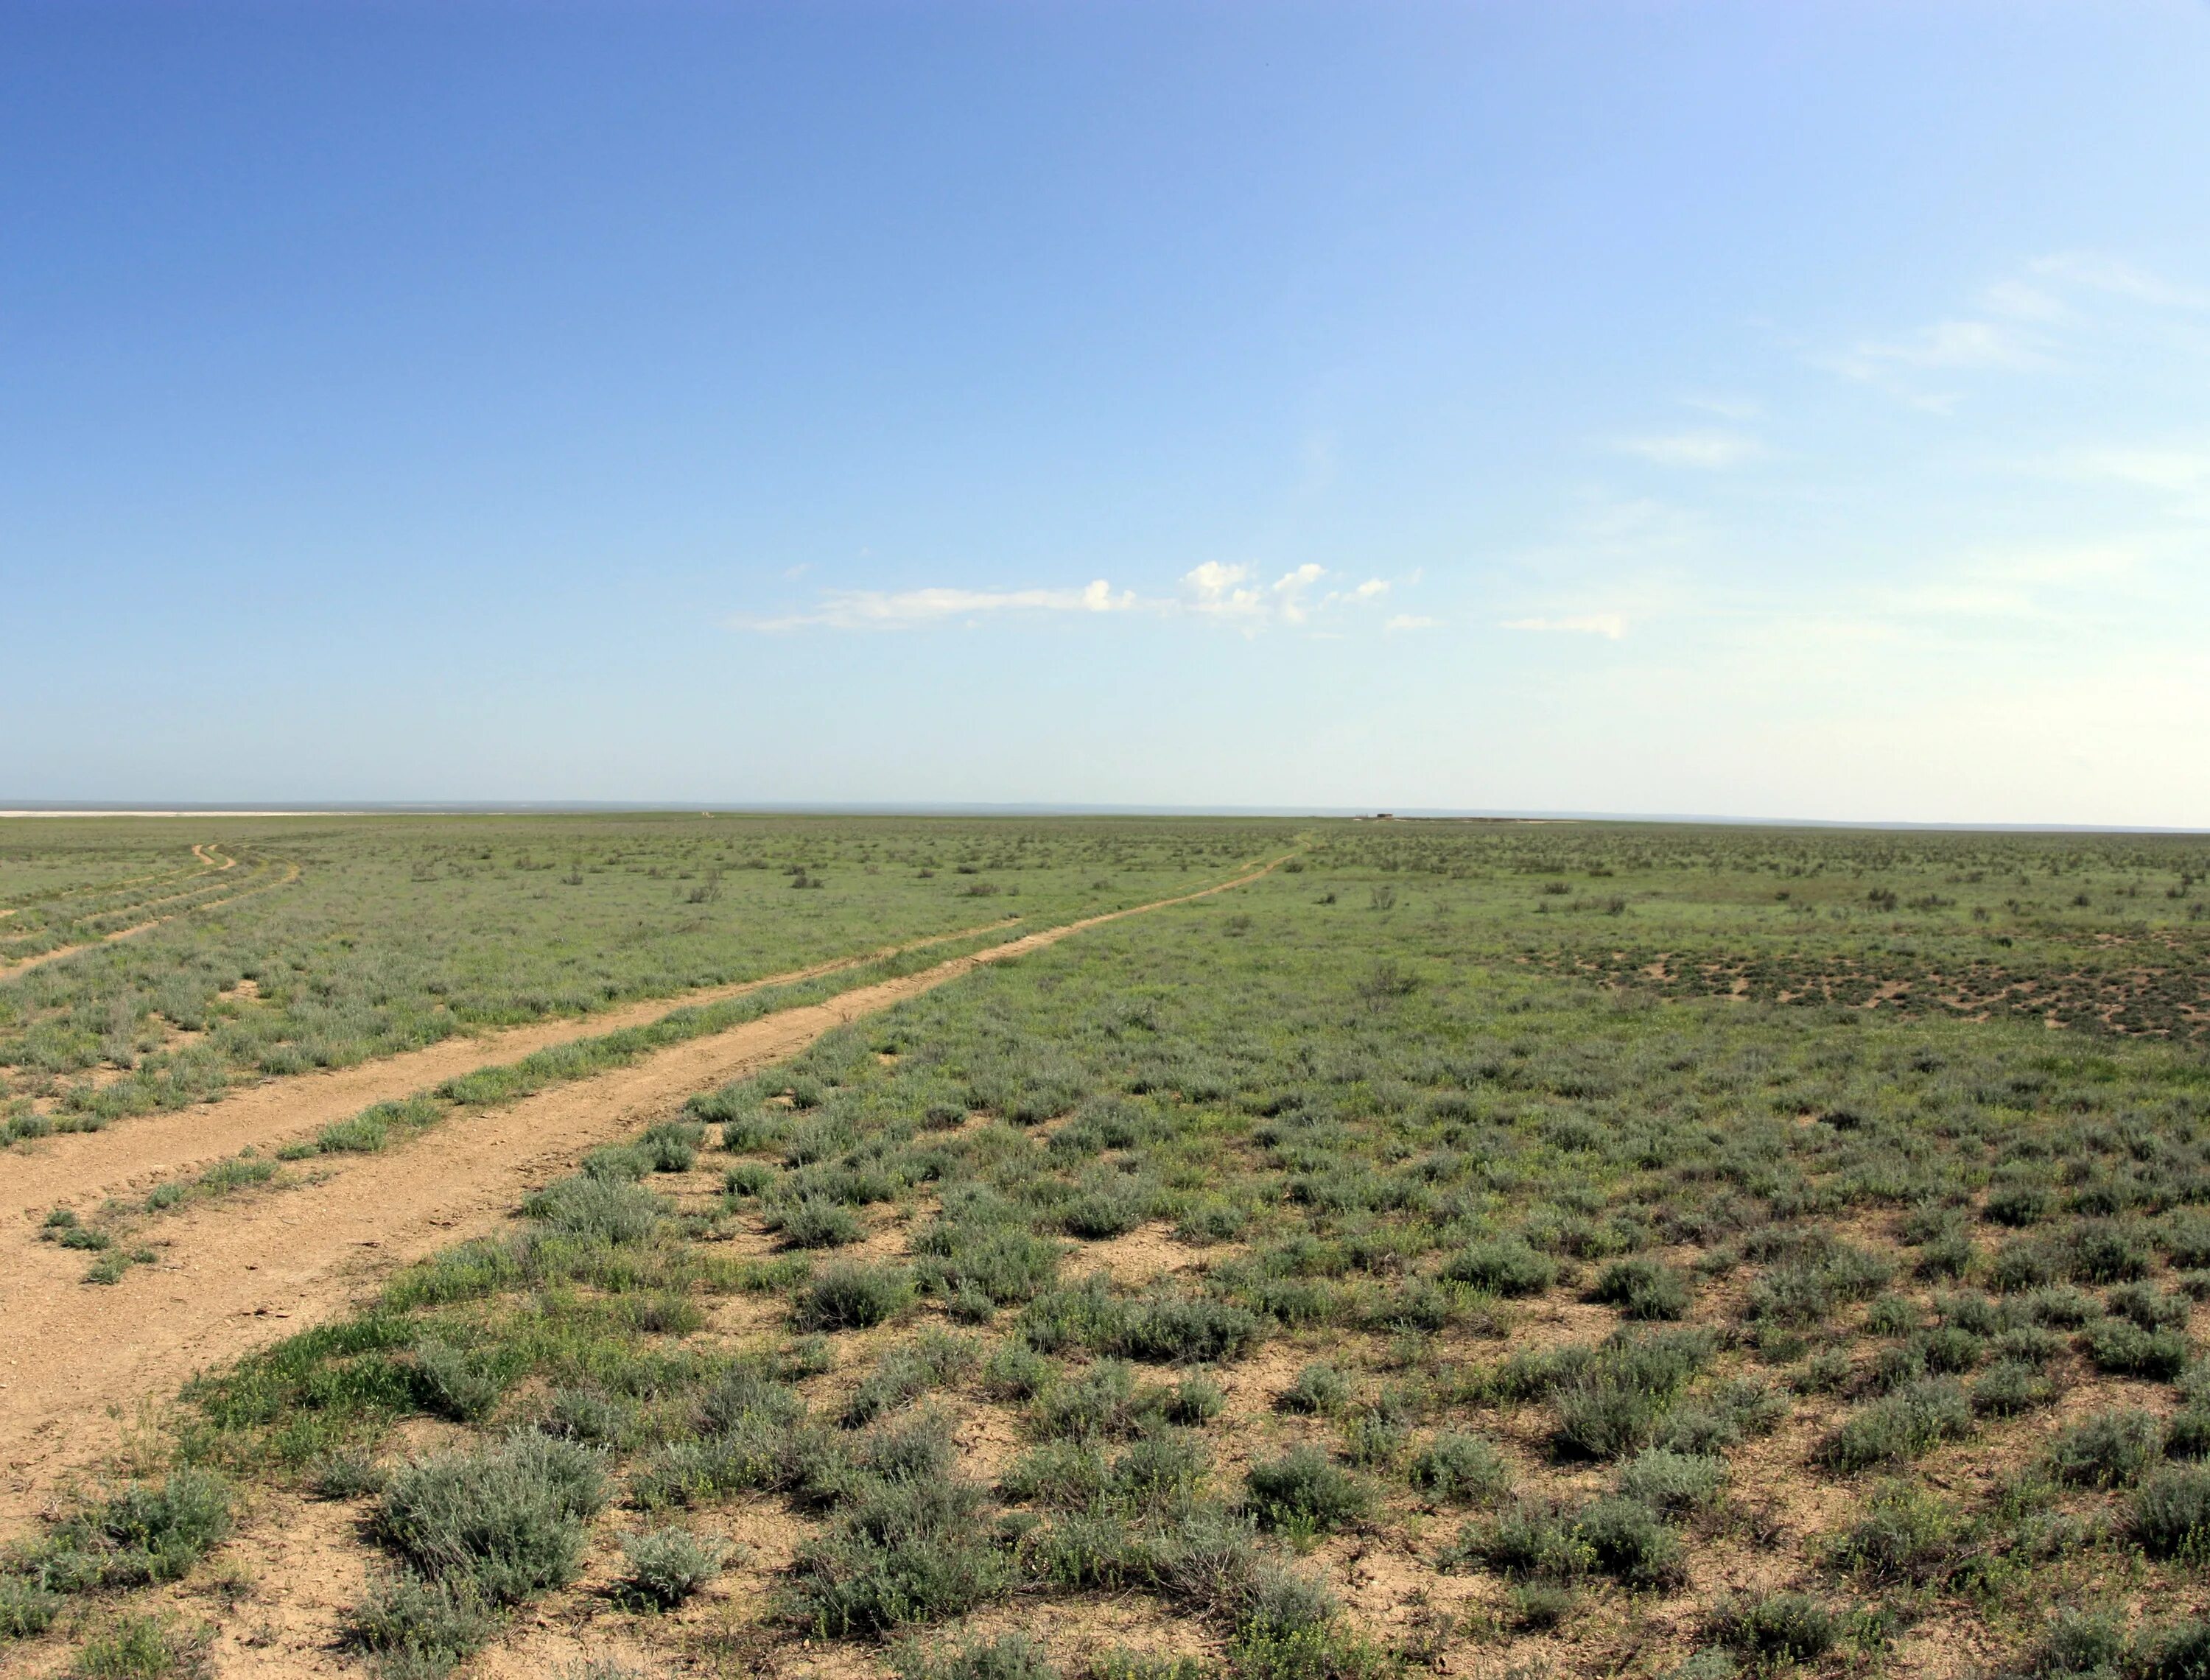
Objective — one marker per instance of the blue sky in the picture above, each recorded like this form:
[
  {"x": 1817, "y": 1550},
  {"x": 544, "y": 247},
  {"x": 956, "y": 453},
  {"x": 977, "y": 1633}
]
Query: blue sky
[{"x": 1766, "y": 410}]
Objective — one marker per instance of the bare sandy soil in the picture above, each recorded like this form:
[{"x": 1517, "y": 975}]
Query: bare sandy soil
[{"x": 236, "y": 1276}]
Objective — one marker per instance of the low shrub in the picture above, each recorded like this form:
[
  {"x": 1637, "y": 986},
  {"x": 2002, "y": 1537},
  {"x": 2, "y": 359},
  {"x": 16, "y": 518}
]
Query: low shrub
[
  {"x": 1509, "y": 1268},
  {"x": 1303, "y": 1489},
  {"x": 2121, "y": 1347},
  {"x": 1465, "y": 1469},
  {"x": 1184, "y": 1331},
  {"x": 1775, "y": 1628},
  {"x": 601, "y": 1210},
  {"x": 2149, "y": 1307},
  {"x": 1902, "y": 1426},
  {"x": 668, "y": 1565},
  {"x": 1642, "y": 1289},
  {"x": 2107, "y": 1450},
  {"x": 1196, "y": 1400},
  {"x": 2177, "y": 1650},
  {"x": 815, "y": 1224},
  {"x": 508, "y": 1520},
  {"x": 1317, "y": 1388},
  {"x": 27, "y": 1609},
  {"x": 2169, "y": 1514},
  {"x": 1671, "y": 1484},
  {"x": 149, "y": 1532},
  {"x": 1626, "y": 1540},
  {"x": 2187, "y": 1435},
  {"x": 1906, "y": 1535},
  {"x": 455, "y": 1382},
  {"x": 747, "y": 1178},
  {"x": 1602, "y": 1419},
  {"x": 907, "y": 1548},
  {"x": 1008, "y": 1657},
  {"x": 850, "y": 1297},
  {"x": 135, "y": 1646},
  {"x": 1530, "y": 1537},
  {"x": 418, "y": 1628},
  {"x": 2009, "y": 1388}
]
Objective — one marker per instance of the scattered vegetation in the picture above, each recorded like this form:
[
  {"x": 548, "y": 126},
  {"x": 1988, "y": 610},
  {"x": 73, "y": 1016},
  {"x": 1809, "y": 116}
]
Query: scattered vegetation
[{"x": 1580, "y": 1260}]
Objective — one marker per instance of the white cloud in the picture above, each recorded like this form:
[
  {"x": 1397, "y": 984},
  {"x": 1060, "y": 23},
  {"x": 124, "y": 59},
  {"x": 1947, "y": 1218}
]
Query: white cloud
[
  {"x": 2181, "y": 471},
  {"x": 1290, "y": 592},
  {"x": 1707, "y": 451},
  {"x": 2097, "y": 271},
  {"x": 2026, "y": 320},
  {"x": 1975, "y": 346},
  {"x": 1412, "y": 621},
  {"x": 1219, "y": 590},
  {"x": 907, "y": 609},
  {"x": 1727, "y": 407},
  {"x": 1222, "y": 591},
  {"x": 2024, "y": 302},
  {"x": 1610, "y": 625}
]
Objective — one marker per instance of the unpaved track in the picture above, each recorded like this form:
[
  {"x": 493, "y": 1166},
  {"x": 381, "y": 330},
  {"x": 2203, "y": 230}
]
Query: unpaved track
[
  {"x": 79, "y": 1169},
  {"x": 291, "y": 873},
  {"x": 238, "y": 1276}
]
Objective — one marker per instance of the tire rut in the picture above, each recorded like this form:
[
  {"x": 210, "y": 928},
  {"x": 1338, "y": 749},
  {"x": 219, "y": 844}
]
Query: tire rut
[
  {"x": 75, "y": 1168},
  {"x": 241, "y": 1276}
]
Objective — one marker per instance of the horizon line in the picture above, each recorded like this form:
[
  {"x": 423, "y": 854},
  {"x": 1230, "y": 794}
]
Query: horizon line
[{"x": 180, "y": 809}]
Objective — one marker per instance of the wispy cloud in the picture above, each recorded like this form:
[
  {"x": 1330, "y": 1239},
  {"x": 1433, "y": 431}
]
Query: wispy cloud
[
  {"x": 1610, "y": 625},
  {"x": 2181, "y": 472},
  {"x": 1704, "y": 451},
  {"x": 2097, "y": 271},
  {"x": 1897, "y": 365},
  {"x": 1412, "y": 621},
  {"x": 1727, "y": 406},
  {"x": 2038, "y": 317},
  {"x": 907, "y": 609},
  {"x": 1221, "y": 591}
]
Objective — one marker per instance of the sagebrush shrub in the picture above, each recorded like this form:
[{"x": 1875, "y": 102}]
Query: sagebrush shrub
[
  {"x": 813, "y": 1223},
  {"x": 506, "y": 1520},
  {"x": 848, "y": 1296},
  {"x": 1672, "y": 1483},
  {"x": 2108, "y": 1450},
  {"x": 1642, "y": 1289},
  {"x": 1303, "y": 1487},
  {"x": 1509, "y": 1269},
  {"x": 2169, "y": 1515},
  {"x": 669, "y": 1565},
  {"x": 1778, "y": 1627},
  {"x": 1465, "y": 1468},
  {"x": 419, "y": 1627}
]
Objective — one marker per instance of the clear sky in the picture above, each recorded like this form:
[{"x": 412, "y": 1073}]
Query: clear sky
[{"x": 1764, "y": 409}]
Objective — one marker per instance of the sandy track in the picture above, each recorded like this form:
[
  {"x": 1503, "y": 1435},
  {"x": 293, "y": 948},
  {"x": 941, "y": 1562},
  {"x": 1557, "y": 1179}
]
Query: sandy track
[
  {"x": 79, "y": 1168},
  {"x": 240, "y": 1276},
  {"x": 291, "y": 874}
]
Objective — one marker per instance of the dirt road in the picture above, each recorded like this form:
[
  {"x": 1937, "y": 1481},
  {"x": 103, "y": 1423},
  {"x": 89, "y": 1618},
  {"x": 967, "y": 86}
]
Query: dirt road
[
  {"x": 80, "y": 1169},
  {"x": 205, "y": 855},
  {"x": 242, "y": 1274}
]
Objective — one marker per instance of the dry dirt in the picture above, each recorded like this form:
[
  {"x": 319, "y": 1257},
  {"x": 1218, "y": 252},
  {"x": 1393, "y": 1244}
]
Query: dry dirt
[{"x": 237, "y": 1277}]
